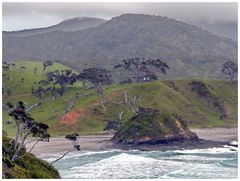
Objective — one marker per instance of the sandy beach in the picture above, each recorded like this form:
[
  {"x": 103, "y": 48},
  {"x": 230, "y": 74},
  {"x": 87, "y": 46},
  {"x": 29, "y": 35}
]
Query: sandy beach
[
  {"x": 217, "y": 134},
  {"x": 101, "y": 142}
]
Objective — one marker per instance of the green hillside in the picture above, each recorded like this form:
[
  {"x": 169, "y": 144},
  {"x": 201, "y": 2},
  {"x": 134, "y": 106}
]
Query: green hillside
[
  {"x": 29, "y": 166},
  {"x": 217, "y": 108}
]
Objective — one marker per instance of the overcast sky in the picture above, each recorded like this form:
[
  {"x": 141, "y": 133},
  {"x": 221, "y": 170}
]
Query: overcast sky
[{"x": 18, "y": 16}]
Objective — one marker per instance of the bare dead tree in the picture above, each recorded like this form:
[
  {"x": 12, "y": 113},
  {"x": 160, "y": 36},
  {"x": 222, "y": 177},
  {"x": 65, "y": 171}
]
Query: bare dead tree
[{"x": 33, "y": 106}]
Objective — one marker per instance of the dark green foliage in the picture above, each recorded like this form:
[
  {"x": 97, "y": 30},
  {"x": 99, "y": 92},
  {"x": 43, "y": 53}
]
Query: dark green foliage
[
  {"x": 72, "y": 137},
  {"x": 142, "y": 69},
  {"x": 200, "y": 88},
  {"x": 230, "y": 69},
  {"x": 26, "y": 126},
  {"x": 8, "y": 162},
  {"x": 22, "y": 80},
  {"x": 113, "y": 125},
  {"x": 96, "y": 76},
  {"x": 26, "y": 167},
  {"x": 62, "y": 78},
  {"x": 151, "y": 126},
  {"x": 19, "y": 114},
  {"x": 205, "y": 91},
  {"x": 46, "y": 64}
]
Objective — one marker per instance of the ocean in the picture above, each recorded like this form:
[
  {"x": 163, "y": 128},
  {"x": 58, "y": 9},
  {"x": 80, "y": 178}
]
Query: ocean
[{"x": 209, "y": 163}]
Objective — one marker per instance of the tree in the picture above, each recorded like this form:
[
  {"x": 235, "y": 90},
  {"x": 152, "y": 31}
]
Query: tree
[
  {"x": 22, "y": 68},
  {"x": 34, "y": 70},
  {"x": 46, "y": 64},
  {"x": 26, "y": 127},
  {"x": 73, "y": 138},
  {"x": 142, "y": 70},
  {"x": 230, "y": 69},
  {"x": 63, "y": 78},
  {"x": 98, "y": 78},
  {"x": 22, "y": 80}
]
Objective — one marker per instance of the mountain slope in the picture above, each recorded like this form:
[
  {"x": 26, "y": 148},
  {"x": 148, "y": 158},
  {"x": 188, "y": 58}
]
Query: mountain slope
[
  {"x": 189, "y": 50},
  {"x": 74, "y": 24}
]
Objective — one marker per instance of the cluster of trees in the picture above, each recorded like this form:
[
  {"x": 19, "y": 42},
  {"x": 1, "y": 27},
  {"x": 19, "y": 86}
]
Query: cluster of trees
[
  {"x": 142, "y": 69},
  {"x": 57, "y": 82}
]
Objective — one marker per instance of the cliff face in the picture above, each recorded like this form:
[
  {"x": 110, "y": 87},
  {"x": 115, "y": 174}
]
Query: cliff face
[
  {"x": 153, "y": 127},
  {"x": 28, "y": 166}
]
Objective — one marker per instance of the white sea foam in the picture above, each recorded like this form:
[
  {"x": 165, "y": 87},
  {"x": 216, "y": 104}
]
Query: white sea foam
[
  {"x": 74, "y": 155},
  {"x": 198, "y": 163},
  {"x": 214, "y": 150},
  {"x": 137, "y": 164}
]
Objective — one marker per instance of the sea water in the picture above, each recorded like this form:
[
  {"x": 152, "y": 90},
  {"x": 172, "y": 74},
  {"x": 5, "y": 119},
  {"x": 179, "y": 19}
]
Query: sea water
[{"x": 116, "y": 164}]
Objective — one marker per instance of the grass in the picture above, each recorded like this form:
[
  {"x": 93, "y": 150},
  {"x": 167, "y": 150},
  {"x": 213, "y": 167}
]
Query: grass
[
  {"x": 26, "y": 167},
  {"x": 167, "y": 96}
]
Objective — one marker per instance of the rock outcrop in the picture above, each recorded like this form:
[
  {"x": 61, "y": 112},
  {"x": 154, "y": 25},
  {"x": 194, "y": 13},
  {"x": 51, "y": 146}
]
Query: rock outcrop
[{"x": 153, "y": 127}]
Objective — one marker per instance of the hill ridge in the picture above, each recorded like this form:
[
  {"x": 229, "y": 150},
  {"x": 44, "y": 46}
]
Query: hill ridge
[{"x": 189, "y": 50}]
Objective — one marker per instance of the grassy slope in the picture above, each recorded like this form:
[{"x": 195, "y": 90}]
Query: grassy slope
[
  {"x": 159, "y": 94},
  {"x": 195, "y": 110},
  {"x": 26, "y": 167}
]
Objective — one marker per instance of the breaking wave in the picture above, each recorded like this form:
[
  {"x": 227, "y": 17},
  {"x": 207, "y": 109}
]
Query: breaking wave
[{"x": 198, "y": 164}]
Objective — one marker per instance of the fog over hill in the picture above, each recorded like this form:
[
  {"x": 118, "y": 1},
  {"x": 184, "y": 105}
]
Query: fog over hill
[
  {"x": 189, "y": 50},
  {"x": 74, "y": 24}
]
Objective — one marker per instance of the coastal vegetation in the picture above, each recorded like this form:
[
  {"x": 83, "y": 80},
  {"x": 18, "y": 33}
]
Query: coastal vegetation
[
  {"x": 153, "y": 127},
  {"x": 135, "y": 82},
  {"x": 28, "y": 166},
  {"x": 79, "y": 110}
]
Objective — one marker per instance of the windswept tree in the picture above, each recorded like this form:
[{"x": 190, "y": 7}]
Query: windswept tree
[
  {"x": 46, "y": 64},
  {"x": 56, "y": 82},
  {"x": 26, "y": 127},
  {"x": 142, "y": 70},
  {"x": 98, "y": 78},
  {"x": 76, "y": 147},
  {"x": 230, "y": 69}
]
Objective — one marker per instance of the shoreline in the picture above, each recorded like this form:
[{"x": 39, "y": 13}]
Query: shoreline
[{"x": 215, "y": 137}]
